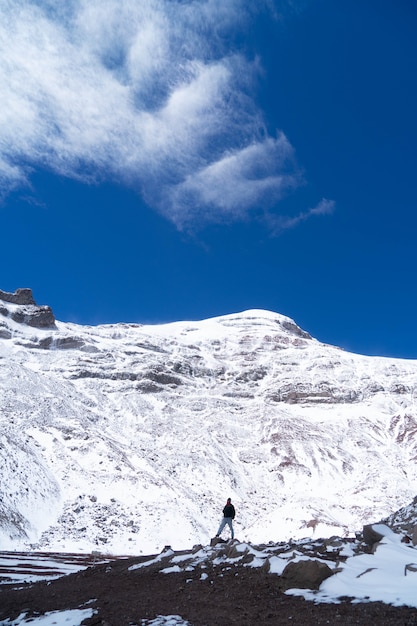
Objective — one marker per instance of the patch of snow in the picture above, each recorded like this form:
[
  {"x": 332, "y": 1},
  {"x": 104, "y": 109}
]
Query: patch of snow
[
  {"x": 153, "y": 561},
  {"x": 71, "y": 617},
  {"x": 174, "y": 569},
  {"x": 382, "y": 576}
]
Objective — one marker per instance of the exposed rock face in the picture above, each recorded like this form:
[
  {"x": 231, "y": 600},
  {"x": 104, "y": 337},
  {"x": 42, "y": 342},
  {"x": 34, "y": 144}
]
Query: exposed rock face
[
  {"x": 27, "y": 311},
  {"x": 20, "y": 296},
  {"x": 36, "y": 316}
]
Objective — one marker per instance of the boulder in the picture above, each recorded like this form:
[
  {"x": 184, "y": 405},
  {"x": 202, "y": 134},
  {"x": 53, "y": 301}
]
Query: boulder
[
  {"x": 216, "y": 540},
  {"x": 371, "y": 536},
  {"x": 306, "y": 574}
]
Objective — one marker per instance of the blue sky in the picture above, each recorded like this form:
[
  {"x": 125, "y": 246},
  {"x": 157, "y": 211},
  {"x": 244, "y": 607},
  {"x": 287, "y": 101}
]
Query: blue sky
[{"x": 170, "y": 160}]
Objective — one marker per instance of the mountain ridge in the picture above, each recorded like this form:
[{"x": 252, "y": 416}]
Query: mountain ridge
[{"x": 131, "y": 436}]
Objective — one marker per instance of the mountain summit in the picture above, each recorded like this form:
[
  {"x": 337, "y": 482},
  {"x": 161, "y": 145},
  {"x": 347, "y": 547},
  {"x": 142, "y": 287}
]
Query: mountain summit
[{"x": 129, "y": 437}]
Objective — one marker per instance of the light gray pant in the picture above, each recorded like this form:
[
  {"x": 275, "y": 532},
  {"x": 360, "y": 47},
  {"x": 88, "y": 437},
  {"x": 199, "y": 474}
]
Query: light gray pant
[{"x": 228, "y": 521}]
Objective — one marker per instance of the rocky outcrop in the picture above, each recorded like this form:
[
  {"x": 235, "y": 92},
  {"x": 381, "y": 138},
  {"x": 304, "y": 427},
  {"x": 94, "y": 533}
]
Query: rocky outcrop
[
  {"x": 35, "y": 316},
  {"x": 404, "y": 520},
  {"x": 300, "y": 392},
  {"x": 295, "y": 330},
  {"x": 20, "y": 296},
  {"x": 27, "y": 311},
  {"x": 5, "y": 333}
]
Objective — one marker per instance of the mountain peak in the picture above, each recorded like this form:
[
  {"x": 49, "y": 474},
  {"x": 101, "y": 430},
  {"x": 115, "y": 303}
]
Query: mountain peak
[{"x": 109, "y": 430}]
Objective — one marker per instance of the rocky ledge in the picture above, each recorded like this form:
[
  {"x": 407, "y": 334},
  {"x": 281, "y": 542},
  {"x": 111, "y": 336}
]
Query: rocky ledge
[{"x": 24, "y": 309}]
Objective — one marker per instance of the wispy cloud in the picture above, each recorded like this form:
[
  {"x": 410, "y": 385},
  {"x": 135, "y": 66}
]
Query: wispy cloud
[
  {"x": 146, "y": 93},
  {"x": 283, "y": 222},
  {"x": 258, "y": 174}
]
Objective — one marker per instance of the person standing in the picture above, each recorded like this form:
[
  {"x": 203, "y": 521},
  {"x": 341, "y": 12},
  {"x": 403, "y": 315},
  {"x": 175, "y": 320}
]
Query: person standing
[{"x": 228, "y": 517}]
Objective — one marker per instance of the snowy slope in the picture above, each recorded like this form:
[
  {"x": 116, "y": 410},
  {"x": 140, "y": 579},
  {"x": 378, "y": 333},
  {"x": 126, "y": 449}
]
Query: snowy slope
[{"x": 126, "y": 438}]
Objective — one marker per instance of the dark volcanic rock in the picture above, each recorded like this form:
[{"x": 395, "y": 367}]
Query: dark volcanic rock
[
  {"x": 296, "y": 330},
  {"x": 305, "y": 574},
  {"x": 35, "y": 316},
  {"x": 371, "y": 536},
  {"x": 20, "y": 296},
  {"x": 28, "y": 312},
  {"x": 5, "y": 333}
]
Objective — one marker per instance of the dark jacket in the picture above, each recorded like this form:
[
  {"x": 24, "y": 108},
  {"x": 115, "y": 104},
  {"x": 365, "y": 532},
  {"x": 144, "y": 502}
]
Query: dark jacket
[{"x": 229, "y": 511}]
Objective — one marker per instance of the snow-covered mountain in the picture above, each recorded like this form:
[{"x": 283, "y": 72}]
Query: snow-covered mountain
[{"x": 125, "y": 438}]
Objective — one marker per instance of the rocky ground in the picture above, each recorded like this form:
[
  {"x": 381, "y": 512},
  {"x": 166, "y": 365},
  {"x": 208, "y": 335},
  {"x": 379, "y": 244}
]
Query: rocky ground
[{"x": 213, "y": 596}]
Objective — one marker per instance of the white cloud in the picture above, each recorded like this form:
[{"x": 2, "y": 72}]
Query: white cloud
[
  {"x": 146, "y": 93},
  {"x": 280, "y": 223},
  {"x": 230, "y": 187}
]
